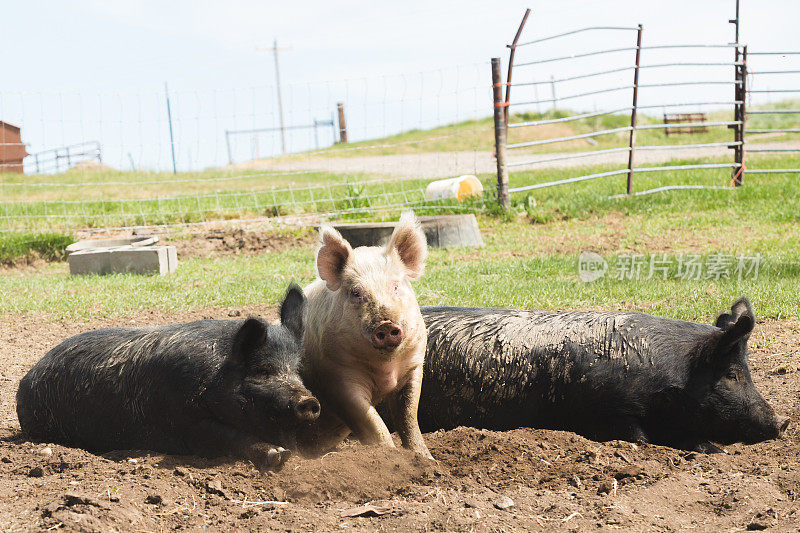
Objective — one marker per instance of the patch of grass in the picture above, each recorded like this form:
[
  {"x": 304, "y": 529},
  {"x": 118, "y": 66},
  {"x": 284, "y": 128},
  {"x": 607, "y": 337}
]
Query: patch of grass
[
  {"x": 530, "y": 258},
  {"x": 15, "y": 247}
]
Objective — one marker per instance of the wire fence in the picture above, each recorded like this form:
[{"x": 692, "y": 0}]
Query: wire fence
[{"x": 115, "y": 162}]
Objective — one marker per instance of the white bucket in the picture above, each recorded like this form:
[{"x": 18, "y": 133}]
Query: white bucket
[{"x": 460, "y": 188}]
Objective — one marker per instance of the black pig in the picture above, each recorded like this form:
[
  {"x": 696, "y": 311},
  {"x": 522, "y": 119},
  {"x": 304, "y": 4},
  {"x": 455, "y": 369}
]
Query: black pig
[
  {"x": 605, "y": 375},
  {"x": 211, "y": 388}
]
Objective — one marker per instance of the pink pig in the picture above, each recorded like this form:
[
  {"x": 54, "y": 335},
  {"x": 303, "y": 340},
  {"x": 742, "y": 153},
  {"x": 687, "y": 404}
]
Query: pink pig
[{"x": 365, "y": 338}]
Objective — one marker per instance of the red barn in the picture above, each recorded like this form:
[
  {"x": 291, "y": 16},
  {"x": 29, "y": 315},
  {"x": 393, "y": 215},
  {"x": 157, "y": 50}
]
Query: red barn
[{"x": 12, "y": 149}]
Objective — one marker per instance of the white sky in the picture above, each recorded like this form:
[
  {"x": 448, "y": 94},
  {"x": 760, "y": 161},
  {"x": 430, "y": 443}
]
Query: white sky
[{"x": 86, "y": 47}]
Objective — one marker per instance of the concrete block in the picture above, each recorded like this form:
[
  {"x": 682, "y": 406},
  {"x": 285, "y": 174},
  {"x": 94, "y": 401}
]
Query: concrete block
[
  {"x": 441, "y": 231},
  {"x": 134, "y": 259}
]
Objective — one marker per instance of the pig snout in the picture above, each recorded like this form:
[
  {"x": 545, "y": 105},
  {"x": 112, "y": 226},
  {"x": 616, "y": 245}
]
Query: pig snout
[
  {"x": 783, "y": 424},
  {"x": 307, "y": 409},
  {"x": 387, "y": 336}
]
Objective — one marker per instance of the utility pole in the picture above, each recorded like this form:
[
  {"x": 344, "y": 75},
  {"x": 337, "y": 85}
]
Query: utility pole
[{"x": 274, "y": 51}]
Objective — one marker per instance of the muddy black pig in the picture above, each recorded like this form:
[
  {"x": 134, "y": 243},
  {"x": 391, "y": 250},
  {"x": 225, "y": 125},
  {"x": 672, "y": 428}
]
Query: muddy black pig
[
  {"x": 605, "y": 375},
  {"x": 211, "y": 388}
]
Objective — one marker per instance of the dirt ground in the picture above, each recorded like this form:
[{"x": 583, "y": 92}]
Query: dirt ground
[{"x": 518, "y": 480}]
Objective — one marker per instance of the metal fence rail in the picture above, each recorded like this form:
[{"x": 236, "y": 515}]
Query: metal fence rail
[
  {"x": 737, "y": 144},
  {"x": 757, "y": 75},
  {"x": 64, "y": 157}
]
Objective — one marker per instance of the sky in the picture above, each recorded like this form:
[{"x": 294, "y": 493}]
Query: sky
[{"x": 96, "y": 69}]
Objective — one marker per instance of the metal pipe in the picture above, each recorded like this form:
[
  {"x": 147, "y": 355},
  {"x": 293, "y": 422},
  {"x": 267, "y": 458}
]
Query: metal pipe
[
  {"x": 571, "y": 78},
  {"x": 774, "y": 53},
  {"x": 632, "y": 138},
  {"x": 775, "y": 72},
  {"x": 228, "y": 145},
  {"x": 685, "y": 167},
  {"x": 774, "y": 130},
  {"x": 573, "y": 32},
  {"x": 671, "y": 188},
  {"x": 576, "y": 155},
  {"x": 567, "y": 119},
  {"x": 570, "y": 138},
  {"x": 280, "y": 100},
  {"x": 710, "y": 64},
  {"x": 575, "y": 56},
  {"x": 688, "y": 104},
  {"x": 513, "y": 47},
  {"x": 669, "y": 46},
  {"x": 771, "y": 170},
  {"x": 775, "y": 91},
  {"x": 678, "y": 83},
  {"x": 623, "y": 69},
  {"x": 579, "y": 95},
  {"x": 773, "y": 111},
  {"x": 688, "y": 125},
  {"x": 568, "y": 180},
  {"x": 752, "y": 150},
  {"x": 171, "y": 135},
  {"x": 689, "y": 146}
]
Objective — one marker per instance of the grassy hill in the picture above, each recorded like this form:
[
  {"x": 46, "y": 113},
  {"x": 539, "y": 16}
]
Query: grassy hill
[{"x": 478, "y": 134}]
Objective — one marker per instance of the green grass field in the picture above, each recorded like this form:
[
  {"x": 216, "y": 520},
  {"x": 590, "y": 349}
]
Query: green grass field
[{"x": 530, "y": 258}]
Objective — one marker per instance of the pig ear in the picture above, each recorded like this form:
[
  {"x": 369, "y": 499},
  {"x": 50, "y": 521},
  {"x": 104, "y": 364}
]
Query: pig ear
[
  {"x": 251, "y": 336},
  {"x": 332, "y": 256},
  {"x": 409, "y": 242},
  {"x": 737, "y": 325},
  {"x": 292, "y": 311}
]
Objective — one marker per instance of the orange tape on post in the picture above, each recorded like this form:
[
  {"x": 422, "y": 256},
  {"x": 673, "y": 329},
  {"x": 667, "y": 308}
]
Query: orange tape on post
[
  {"x": 735, "y": 178},
  {"x": 501, "y": 104},
  {"x": 501, "y": 84}
]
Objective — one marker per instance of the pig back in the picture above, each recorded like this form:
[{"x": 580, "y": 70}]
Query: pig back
[{"x": 499, "y": 369}]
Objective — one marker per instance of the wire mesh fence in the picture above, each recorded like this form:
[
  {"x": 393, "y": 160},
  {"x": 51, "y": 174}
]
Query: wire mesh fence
[
  {"x": 228, "y": 155},
  {"x": 131, "y": 160}
]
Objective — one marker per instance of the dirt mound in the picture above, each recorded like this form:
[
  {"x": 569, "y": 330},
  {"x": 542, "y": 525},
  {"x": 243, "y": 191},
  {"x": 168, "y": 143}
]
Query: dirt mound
[{"x": 225, "y": 242}]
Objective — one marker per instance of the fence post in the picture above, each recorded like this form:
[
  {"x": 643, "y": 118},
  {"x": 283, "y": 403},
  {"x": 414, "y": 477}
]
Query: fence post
[
  {"x": 741, "y": 116},
  {"x": 500, "y": 135},
  {"x": 342, "y": 124},
  {"x": 228, "y": 146},
  {"x": 171, "y": 136},
  {"x": 632, "y": 138}
]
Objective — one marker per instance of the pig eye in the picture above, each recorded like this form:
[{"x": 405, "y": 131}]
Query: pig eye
[
  {"x": 396, "y": 287},
  {"x": 356, "y": 293},
  {"x": 732, "y": 375}
]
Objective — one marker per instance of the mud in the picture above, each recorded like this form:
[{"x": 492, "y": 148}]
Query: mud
[{"x": 519, "y": 480}]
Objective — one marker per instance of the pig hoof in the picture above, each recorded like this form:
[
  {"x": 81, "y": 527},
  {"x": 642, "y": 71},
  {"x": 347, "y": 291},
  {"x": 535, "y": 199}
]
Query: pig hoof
[
  {"x": 710, "y": 447},
  {"x": 276, "y": 457}
]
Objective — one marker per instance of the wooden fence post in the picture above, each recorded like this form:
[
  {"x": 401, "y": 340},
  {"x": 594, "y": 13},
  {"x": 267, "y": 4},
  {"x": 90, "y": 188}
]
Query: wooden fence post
[
  {"x": 342, "y": 124},
  {"x": 500, "y": 136}
]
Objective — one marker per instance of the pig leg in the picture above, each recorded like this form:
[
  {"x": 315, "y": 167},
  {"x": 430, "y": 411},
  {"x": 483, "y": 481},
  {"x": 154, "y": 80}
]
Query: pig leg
[
  {"x": 403, "y": 405},
  {"x": 630, "y": 429},
  {"x": 213, "y": 438},
  {"x": 365, "y": 422},
  {"x": 707, "y": 447}
]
